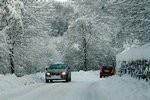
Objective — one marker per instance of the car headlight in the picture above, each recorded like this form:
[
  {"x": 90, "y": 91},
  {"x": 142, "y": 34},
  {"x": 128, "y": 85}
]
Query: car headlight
[
  {"x": 48, "y": 74},
  {"x": 63, "y": 73}
]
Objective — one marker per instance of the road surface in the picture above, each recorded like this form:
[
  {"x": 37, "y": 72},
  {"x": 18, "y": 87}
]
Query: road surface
[{"x": 82, "y": 87}]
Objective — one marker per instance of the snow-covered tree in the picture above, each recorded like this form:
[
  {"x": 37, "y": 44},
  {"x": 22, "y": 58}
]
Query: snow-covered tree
[
  {"x": 133, "y": 17},
  {"x": 11, "y": 29},
  {"x": 38, "y": 48},
  {"x": 89, "y": 35}
]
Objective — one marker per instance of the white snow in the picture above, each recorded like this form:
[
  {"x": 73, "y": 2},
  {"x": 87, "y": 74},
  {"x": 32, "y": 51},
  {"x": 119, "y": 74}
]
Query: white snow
[
  {"x": 134, "y": 53},
  {"x": 61, "y": 0},
  {"x": 10, "y": 82},
  {"x": 84, "y": 86},
  {"x": 124, "y": 88},
  {"x": 53, "y": 0}
]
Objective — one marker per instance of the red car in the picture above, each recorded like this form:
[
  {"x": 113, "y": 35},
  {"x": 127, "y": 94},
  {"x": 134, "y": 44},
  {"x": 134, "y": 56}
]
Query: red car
[{"x": 107, "y": 71}]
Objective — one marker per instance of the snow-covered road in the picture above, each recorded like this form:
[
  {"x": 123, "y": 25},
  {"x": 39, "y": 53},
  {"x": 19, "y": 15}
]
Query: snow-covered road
[
  {"x": 84, "y": 86},
  {"x": 81, "y": 88}
]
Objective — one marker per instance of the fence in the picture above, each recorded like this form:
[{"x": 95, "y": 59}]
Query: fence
[{"x": 139, "y": 69}]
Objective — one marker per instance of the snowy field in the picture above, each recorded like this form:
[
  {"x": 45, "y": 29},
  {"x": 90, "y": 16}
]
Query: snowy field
[{"x": 84, "y": 86}]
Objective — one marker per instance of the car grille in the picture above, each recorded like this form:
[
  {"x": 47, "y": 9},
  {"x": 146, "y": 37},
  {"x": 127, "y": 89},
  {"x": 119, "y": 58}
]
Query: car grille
[{"x": 55, "y": 73}]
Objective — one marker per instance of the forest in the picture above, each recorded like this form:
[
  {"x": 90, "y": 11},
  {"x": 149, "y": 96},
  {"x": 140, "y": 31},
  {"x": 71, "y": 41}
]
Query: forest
[{"x": 81, "y": 33}]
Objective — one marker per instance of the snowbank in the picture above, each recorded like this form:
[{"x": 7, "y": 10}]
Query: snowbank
[
  {"x": 8, "y": 82},
  {"x": 134, "y": 53}
]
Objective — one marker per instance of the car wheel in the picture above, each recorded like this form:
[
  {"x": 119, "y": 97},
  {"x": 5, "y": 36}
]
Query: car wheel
[
  {"x": 70, "y": 79},
  {"x": 101, "y": 76},
  {"x": 46, "y": 80},
  {"x": 51, "y": 81},
  {"x": 67, "y": 79}
]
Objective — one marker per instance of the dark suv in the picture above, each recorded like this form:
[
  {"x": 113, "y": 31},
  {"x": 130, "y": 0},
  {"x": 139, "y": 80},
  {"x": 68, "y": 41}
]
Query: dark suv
[
  {"x": 107, "y": 71},
  {"x": 58, "y": 72}
]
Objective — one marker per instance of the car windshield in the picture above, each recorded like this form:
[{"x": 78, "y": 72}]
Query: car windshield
[{"x": 57, "y": 66}]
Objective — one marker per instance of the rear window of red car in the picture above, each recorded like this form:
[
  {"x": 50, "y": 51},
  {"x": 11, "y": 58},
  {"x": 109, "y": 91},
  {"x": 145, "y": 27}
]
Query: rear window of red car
[{"x": 107, "y": 67}]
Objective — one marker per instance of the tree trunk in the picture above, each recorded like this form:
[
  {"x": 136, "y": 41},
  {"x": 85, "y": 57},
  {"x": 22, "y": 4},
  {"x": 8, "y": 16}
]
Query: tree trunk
[
  {"x": 11, "y": 61},
  {"x": 85, "y": 53}
]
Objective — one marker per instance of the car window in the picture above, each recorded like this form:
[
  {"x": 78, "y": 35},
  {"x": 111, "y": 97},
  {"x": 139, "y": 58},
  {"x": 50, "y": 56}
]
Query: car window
[
  {"x": 58, "y": 66},
  {"x": 107, "y": 67}
]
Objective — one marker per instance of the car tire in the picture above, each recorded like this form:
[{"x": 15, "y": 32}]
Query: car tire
[
  {"x": 67, "y": 79},
  {"x": 51, "y": 81},
  {"x": 70, "y": 77},
  {"x": 46, "y": 80},
  {"x": 101, "y": 76}
]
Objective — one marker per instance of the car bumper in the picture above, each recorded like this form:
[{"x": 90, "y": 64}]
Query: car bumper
[
  {"x": 55, "y": 77},
  {"x": 106, "y": 74}
]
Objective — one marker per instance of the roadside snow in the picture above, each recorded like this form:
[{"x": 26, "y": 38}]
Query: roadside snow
[
  {"x": 9, "y": 82},
  {"x": 84, "y": 86},
  {"x": 124, "y": 88},
  {"x": 135, "y": 53}
]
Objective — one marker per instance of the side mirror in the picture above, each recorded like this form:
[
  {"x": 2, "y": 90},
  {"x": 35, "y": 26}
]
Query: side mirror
[{"x": 45, "y": 68}]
